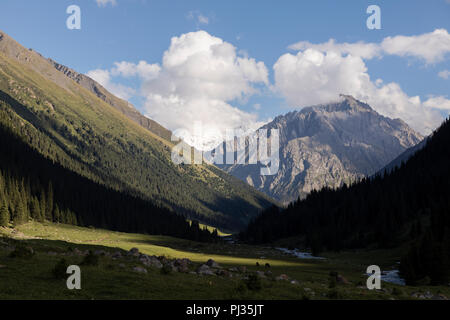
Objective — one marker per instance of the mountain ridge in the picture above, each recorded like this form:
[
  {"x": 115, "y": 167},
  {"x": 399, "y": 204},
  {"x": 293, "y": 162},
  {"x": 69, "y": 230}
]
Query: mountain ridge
[
  {"x": 328, "y": 145},
  {"x": 71, "y": 125}
]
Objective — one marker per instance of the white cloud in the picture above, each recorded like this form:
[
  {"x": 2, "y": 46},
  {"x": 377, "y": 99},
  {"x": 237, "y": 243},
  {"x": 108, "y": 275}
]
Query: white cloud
[
  {"x": 104, "y": 78},
  {"x": 104, "y": 3},
  {"x": 438, "y": 102},
  {"x": 199, "y": 79},
  {"x": 125, "y": 69},
  {"x": 431, "y": 47},
  {"x": 360, "y": 49},
  {"x": 444, "y": 74},
  {"x": 200, "y": 76},
  {"x": 320, "y": 72},
  {"x": 143, "y": 70},
  {"x": 314, "y": 77},
  {"x": 198, "y": 17}
]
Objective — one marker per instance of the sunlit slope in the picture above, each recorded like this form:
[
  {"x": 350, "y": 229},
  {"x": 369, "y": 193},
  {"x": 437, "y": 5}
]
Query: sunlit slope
[{"x": 70, "y": 125}]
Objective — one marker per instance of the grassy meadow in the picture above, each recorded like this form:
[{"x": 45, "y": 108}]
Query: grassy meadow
[{"x": 31, "y": 278}]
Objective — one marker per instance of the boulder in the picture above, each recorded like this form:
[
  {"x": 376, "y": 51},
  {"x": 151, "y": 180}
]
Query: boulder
[
  {"x": 100, "y": 253},
  {"x": 134, "y": 252},
  {"x": 205, "y": 270},
  {"x": 242, "y": 269},
  {"x": 155, "y": 263},
  {"x": 224, "y": 273},
  {"x": 77, "y": 252},
  {"x": 183, "y": 269},
  {"x": 268, "y": 273},
  {"x": 117, "y": 255},
  {"x": 282, "y": 277},
  {"x": 212, "y": 264},
  {"x": 341, "y": 279},
  {"x": 185, "y": 263},
  {"x": 139, "y": 270}
]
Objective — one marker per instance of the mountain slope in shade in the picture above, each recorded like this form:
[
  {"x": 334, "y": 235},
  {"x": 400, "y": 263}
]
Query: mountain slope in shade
[
  {"x": 404, "y": 157},
  {"x": 328, "y": 145},
  {"x": 92, "y": 135}
]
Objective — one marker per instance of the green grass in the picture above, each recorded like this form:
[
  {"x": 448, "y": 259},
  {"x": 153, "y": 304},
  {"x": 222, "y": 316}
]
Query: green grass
[
  {"x": 22, "y": 278},
  {"x": 211, "y": 229}
]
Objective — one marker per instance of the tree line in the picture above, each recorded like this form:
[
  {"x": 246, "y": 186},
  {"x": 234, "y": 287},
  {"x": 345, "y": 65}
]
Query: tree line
[
  {"x": 408, "y": 205},
  {"x": 34, "y": 187}
]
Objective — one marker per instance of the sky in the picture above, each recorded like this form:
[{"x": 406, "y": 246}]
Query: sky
[{"x": 238, "y": 64}]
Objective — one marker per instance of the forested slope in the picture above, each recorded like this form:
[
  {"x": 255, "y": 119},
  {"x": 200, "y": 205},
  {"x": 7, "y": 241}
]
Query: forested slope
[
  {"x": 410, "y": 204},
  {"x": 72, "y": 126}
]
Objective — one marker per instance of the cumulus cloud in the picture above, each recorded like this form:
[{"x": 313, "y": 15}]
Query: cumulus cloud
[
  {"x": 431, "y": 47},
  {"x": 104, "y": 3},
  {"x": 143, "y": 70},
  {"x": 198, "y": 81},
  {"x": 438, "y": 102},
  {"x": 318, "y": 73},
  {"x": 200, "y": 76},
  {"x": 314, "y": 77},
  {"x": 104, "y": 78},
  {"x": 444, "y": 74}
]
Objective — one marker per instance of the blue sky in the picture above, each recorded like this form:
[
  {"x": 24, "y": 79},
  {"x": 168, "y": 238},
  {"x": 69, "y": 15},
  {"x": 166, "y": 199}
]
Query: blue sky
[{"x": 141, "y": 30}]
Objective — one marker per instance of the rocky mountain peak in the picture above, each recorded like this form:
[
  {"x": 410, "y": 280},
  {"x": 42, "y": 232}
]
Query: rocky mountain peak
[{"x": 327, "y": 145}]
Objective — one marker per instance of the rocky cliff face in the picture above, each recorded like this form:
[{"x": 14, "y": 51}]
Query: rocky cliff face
[
  {"x": 123, "y": 106},
  {"x": 328, "y": 145}
]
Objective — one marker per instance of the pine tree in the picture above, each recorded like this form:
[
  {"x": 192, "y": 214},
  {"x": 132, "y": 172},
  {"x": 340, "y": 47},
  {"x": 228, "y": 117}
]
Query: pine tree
[
  {"x": 43, "y": 205},
  {"x": 4, "y": 214},
  {"x": 35, "y": 210},
  {"x": 19, "y": 216},
  {"x": 56, "y": 214},
  {"x": 49, "y": 202}
]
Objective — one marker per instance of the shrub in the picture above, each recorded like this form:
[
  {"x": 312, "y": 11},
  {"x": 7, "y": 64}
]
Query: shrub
[
  {"x": 241, "y": 288},
  {"x": 90, "y": 260},
  {"x": 166, "y": 269},
  {"x": 22, "y": 252},
  {"x": 60, "y": 269},
  {"x": 253, "y": 282}
]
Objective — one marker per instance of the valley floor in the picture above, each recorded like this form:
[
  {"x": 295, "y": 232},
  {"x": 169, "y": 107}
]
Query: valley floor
[{"x": 122, "y": 276}]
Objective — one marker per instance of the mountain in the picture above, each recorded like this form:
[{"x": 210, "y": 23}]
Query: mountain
[
  {"x": 397, "y": 162},
  {"x": 328, "y": 145},
  {"x": 408, "y": 205},
  {"x": 73, "y": 121},
  {"x": 121, "y": 105},
  {"x": 32, "y": 186}
]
